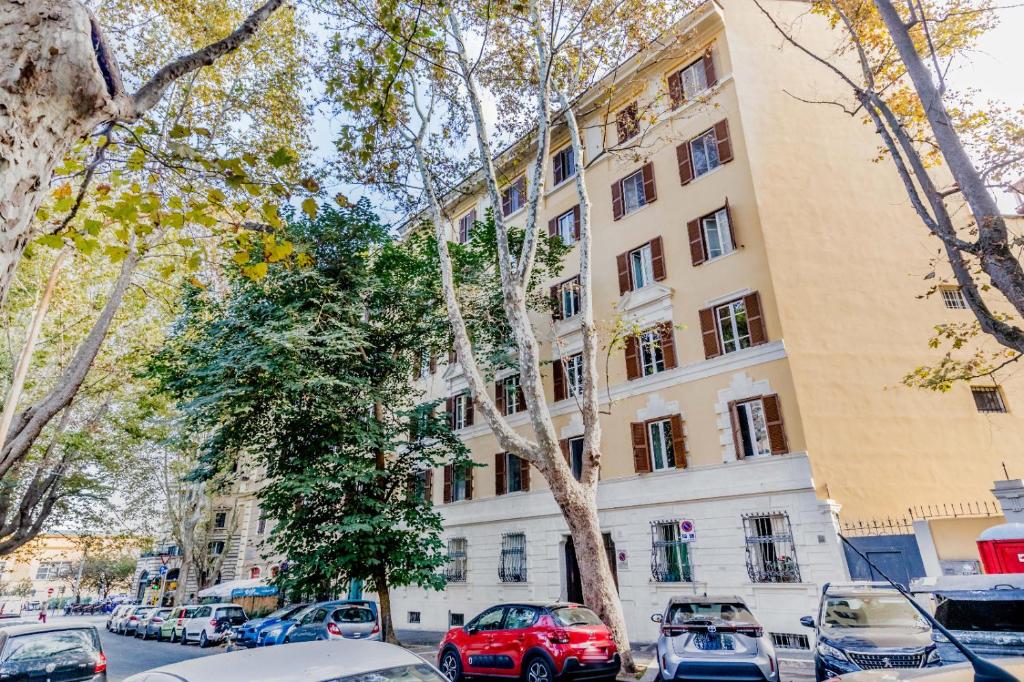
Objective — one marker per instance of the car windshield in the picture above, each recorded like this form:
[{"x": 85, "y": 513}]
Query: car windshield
[
  {"x": 568, "y": 616},
  {"x": 729, "y": 612},
  {"x": 285, "y": 611},
  {"x": 404, "y": 673},
  {"x": 143, "y": 610},
  {"x": 882, "y": 611},
  {"x": 50, "y": 644},
  {"x": 353, "y": 614},
  {"x": 231, "y": 613},
  {"x": 981, "y": 615}
]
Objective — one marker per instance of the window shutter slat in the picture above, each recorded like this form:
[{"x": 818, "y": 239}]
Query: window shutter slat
[
  {"x": 463, "y": 232},
  {"x": 658, "y": 259},
  {"x": 737, "y": 435},
  {"x": 506, "y": 201},
  {"x": 678, "y": 441},
  {"x": 449, "y": 407},
  {"x": 524, "y": 474},
  {"x": 732, "y": 228},
  {"x": 622, "y": 262},
  {"x": 650, "y": 191},
  {"x": 469, "y": 482},
  {"x": 675, "y": 89},
  {"x": 755, "y": 319},
  {"x": 469, "y": 410},
  {"x": 632, "y": 358},
  {"x": 724, "y": 143},
  {"x": 709, "y": 69},
  {"x": 668, "y": 345},
  {"x": 499, "y": 396},
  {"x": 556, "y": 303},
  {"x": 553, "y": 227},
  {"x": 520, "y": 397},
  {"x": 576, "y": 221},
  {"x": 499, "y": 474},
  {"x": 641, "y": 460},
  {"x": 617, "y": 200},
  {"x": 709, "y": 333},
  {"x": 685, "y": 163},
  {"x": 448, "y": 470},
  {"x": 558, "y": 372},
  {"x": 776, "y": 429},
  {"x": 697, "y": 255}
]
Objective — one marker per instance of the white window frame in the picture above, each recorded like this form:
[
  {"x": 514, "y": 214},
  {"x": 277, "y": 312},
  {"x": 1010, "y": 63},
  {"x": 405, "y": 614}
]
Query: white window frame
[
  {"x": 569, "y": 299},
  {"x": 659, "y": 437},
  {"x": 717, "y": 224},
  {"x": 460, "y": 481},
  {"x": 651, "y": 352},
  {"x": 953, "y": 297},
  {"x": 641, "y": 267},
  {"x": 458, "y": 560},
  {"x": 707, "y": 142},
  {"x": 570, "y": 153},
  {"x": 751, "y": 414},
  {"x": 510, "y": 387},
  {"x": 459, "y": 409},
  {"x": 636, "y": 181},
  {"x": 512, "y": 191},
  {"x": 691, "y": 76},
  {"x": 574, "y": 375},
  {"x": 574, "y": 454},
  {"x": 567, "y": 227},
  {"x": 739, "y": 341}
]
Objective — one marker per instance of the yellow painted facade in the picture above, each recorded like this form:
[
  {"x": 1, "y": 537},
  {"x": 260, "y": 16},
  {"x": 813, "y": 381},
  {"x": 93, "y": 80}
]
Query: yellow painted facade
[{"x": 824, "y": 235}]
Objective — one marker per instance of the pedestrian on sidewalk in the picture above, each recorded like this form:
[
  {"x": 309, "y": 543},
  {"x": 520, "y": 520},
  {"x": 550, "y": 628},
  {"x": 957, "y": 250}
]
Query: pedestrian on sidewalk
[{"x": 42, "y": 614}]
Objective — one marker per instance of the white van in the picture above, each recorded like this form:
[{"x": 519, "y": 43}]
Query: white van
[{"x": 211, "y": 623}]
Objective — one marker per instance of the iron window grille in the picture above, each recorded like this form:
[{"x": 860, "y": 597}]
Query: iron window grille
[
  {"x": 512, "y": 563},
  {"x": 414, "y": 616},
  {"x": 988, "y": 399},
  {"x": 953, "y": 297},
  {"x": 455, "y": 572},
  {"x": 670, "y": 556},
  {"x": 787, "y": 640},
  {"x": 771, "y": 552},
  {"x": 456, "y": 620}
]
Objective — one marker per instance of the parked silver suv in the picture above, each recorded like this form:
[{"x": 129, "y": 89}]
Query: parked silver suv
[{"x": 713, "y": 638}]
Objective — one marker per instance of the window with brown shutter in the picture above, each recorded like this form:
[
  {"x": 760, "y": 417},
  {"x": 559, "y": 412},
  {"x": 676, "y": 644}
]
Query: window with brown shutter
[
  {"x": 685, "y": 163},
  {"x": 469, "y": 409},
  {"x": 627, "y": 122},
  {"x": 524, "y": 475},
  {"x": 499, "y": 473},
  {"x": 563, "y": 164},
  {"x": 513, "y": 197},
  {"x": 757, "y": 427},
  {"x": 696, "y": 236},
  {"x": 675, "y": 89},
  {"x": 710, "y": 77},
  {"x": 632, "y": 358},
  {"x": 641, "y": 457},
  {"x": 617, "y": 211},
  {"x": 448, "y": 476},
  {"x": 709, "y": 333},
  {"x": 650, "y": 191},
  {"x": 658, "y": 259},
  {"x": 641, "y": 266},
  {"x": 776, "y": 429},
  {"x": 755, "y": 320},
  {"x": 558, "y": 374},
  {"x": 691, "y": 80},
  {"x": 711, "y": 236},
  {"x": 724, "y": 143},
  {"x": 625, "y": 281},
  {"x": 566, "y": 225},
  {"x": 668, "y": 345},
  {"x": 576, "y": 220},
  {"x": 466, "y": 226},
  {"x": 678, "y": 441}
]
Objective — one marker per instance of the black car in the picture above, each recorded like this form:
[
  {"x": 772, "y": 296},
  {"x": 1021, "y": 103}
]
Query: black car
[{"x": 55, "y": 653}]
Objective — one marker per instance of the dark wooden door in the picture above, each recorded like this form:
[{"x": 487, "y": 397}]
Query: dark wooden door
[{"x": 574, "y": 584}]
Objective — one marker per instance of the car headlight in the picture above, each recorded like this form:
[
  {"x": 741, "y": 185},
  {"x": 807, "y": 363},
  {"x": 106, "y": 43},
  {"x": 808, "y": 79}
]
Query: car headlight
[
  {"x": 829, "y": 650},
  {"x": 933, "y": 657}
]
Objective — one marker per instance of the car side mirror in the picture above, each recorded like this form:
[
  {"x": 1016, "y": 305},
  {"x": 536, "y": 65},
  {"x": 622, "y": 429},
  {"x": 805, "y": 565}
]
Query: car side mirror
[
  {"x": 807, "y": 622},
  {"x": 470, "y": 630},
  {"x": 656, "y": 617}
]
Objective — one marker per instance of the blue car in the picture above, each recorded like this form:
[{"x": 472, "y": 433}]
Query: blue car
[
  {"x": 278, "y": 633},
  {"x": 246, "y": 634}
]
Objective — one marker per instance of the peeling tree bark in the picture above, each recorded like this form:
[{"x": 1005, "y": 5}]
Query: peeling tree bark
[{"x": 58, "y": 83}]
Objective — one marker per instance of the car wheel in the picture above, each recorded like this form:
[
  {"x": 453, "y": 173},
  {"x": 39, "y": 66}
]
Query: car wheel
[
  {"x": 451, "y": 665},
  {"x": 539, "y": 670},
  {"x": 184, "y": 636},
  {"x": 203, "y": 641}
]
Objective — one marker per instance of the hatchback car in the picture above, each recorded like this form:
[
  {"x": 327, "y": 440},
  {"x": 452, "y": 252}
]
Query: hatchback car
[
  {"x": 344, "y": 620},
  {"x": 276, "y": 633},
  {"x": 116, "y": 615},
  {"x": 52, "y": 652},
  {"x": 248, "y": 632},
  {"x": 539, "y": 641},
  {"x": 130, "y": 623},
  {"x": 212, "y": 623},
  {"x": 713, "y": 638},
  {"x": 151, "y": 623},
  {"x": 172, "y": 626},
  {"x": 301, "y": 662}
]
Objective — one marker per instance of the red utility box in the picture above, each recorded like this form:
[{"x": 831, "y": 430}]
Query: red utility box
[{"x": 1002, "y": 548}]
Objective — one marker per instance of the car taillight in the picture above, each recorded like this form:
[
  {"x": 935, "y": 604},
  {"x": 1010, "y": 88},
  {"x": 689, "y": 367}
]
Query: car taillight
[
  {"x": 134, "y": 618},
  {"x": 158, "y": 620},
  {"x": 213, "y": 623},
  {"x": 101, "y": 664},
  {"x": 376, "y": 628},
  {"x": 334, "y": 629},
  {"x": 559, "y": 637}
]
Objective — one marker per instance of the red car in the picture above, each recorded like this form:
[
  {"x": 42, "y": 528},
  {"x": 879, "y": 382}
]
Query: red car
[{"x": 535, "y": 641}]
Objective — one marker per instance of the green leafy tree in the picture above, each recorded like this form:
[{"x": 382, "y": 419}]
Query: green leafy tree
[
  {"x": 105, "y": 574},
  {"x": 307, "y": 373}
]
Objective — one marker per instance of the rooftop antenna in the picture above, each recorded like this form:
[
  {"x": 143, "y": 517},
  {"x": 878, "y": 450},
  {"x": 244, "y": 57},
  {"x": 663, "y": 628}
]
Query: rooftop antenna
[{"x": 984, "y": 671}]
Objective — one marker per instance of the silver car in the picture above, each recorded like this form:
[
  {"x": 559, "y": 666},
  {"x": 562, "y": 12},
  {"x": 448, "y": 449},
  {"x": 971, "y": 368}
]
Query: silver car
[
  {"x": 338, "y": 620},
  {"x": 705, "y": 638},
  {"x": 151, "y": 623}
]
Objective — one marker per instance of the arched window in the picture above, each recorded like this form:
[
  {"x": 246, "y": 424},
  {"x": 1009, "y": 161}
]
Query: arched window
[
  {"x": 254, "y": 572},
  {"x": 274, "y": 570}
]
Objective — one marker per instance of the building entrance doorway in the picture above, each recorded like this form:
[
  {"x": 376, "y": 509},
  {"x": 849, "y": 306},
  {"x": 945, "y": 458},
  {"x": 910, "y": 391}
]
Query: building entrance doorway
[{"x": 573, "y": 582}]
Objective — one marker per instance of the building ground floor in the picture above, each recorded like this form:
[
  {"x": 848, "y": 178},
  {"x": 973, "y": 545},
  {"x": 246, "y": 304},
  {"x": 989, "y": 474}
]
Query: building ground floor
[{"x": 754, "y": 529}]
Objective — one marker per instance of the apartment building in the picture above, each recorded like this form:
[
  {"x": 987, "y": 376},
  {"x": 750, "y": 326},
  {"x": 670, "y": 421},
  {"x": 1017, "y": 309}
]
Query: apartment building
[{"x": 776, "y": 272}]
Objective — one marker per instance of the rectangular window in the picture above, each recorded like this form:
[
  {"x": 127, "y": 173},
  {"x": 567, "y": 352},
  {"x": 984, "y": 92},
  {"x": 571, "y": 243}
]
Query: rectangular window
[
  {"x": 569, "y": 298},
  {"x": 988, "y": 399},
  {"x": 456, "y": 620},
  {"x": 953, "y": 297},
  {"x": 261, "y": 524},
  {"x": 641, "y": 266},
  {"x": 216, "y": 547},
  {"x": 732, "y": 326},
  {"x": 717, "y": 234},
  {"x": 455, "y": 572},
  {"x": 694, "y": 79},
  {"x": 633, "y": 195},
  {"x": 567, "y": 227},
  {"x": 511, "y": 394},
  {"x": 414, "y": 616},
  {"x": 670, "y": 556},
  {"x": 564, "y": 163},
  {"x": 460, "y": 411},
  {"x": 627, "y": 122},
  {"x": 659, "y": 441},
  {"x": 574, "y": 374},
  {"x": 513, "y": 473},
  {"x": 514, "y": 197},
  {"x": 753, "y": 428},
  {"x": 576, "y": 457},
  {"x": 771, "y": 554},
  {"x": 53, "y": 570},
  {"x": 704, "y": 152},
  {"x": 512, "y": 562},
  {"x": 220, "y": 520},
  {"x": 652, "y": 355},
  {"x": 466, "y": 223},
  {"x": 460, "y": 482}
]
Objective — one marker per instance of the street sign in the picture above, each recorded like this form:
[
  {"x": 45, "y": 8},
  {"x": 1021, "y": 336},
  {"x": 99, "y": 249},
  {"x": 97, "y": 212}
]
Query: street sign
[
  {"x": 49, "y": 592},
  {"x": 164, "y": 556},
  {"x": 622, "y": 559},
  {"x": 687, "y": 532},
  {"x": 163, "y": 569}
]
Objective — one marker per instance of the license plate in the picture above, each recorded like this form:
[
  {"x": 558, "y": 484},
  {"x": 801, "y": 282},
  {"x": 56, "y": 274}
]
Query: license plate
[{"x": 712, "y": 642}]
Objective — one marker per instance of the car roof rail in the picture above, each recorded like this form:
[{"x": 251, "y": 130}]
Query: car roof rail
[{"x": 984, "y": 671}]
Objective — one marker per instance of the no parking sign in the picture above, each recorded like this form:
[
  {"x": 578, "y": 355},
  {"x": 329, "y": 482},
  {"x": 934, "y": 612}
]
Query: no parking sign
[{"x": 687, "y": 533}]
